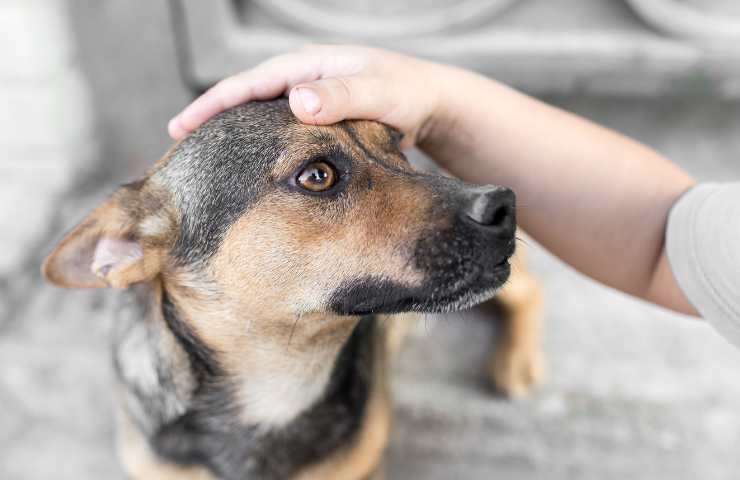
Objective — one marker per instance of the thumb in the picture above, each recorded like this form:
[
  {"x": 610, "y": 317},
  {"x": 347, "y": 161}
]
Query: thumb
[{"x": 330, "y": 100}]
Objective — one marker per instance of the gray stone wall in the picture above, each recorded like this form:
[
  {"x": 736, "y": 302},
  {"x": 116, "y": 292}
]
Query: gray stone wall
[{"x": 640, "y": 48}]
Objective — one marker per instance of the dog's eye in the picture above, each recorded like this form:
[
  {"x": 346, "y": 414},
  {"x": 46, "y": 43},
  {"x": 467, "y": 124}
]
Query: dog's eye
[{"x": 317, "y": 177}]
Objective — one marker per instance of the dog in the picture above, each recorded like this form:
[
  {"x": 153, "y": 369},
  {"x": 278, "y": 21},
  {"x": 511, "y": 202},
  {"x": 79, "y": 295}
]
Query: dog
[{"x": 269, "y": 270}]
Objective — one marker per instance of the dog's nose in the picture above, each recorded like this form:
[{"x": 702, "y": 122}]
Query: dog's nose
[{"x": 493, "y": 208}]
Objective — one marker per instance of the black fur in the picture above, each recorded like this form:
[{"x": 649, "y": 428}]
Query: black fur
[
  {"x": 220, "y": 169},
  {"x": 459, "y": 262},
  {"x": 156, "y": 390},
  {"x": 208, "y": 434},
  {"x": 202, "y": 359}
]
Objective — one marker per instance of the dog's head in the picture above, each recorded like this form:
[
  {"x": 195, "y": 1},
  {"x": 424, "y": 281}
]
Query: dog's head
[{"x": 296, "y": 219}]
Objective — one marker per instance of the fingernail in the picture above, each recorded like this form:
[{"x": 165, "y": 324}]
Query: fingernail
[{"x": 310, "y": 101}]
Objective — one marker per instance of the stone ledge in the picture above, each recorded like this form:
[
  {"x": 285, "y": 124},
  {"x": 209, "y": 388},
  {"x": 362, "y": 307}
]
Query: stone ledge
[{"x": 605, "y": 56}]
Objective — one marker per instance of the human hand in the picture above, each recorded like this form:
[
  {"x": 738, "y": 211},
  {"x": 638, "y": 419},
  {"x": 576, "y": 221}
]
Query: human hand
[{"x": 328, "y": 83}]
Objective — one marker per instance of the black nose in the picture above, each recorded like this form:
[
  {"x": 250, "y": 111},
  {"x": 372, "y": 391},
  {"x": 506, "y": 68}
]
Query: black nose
[{"x": 493, "y": 208}]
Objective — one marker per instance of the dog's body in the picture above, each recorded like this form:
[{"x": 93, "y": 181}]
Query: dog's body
[{"x": 268, "y": 265}]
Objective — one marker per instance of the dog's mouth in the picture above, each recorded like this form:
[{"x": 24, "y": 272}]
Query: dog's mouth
[
  {"x": 461, "y": 265},
  {"x": 373, "y": 295}
]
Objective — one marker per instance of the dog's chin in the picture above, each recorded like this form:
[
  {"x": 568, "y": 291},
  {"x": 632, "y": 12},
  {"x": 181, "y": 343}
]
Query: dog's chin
[{"x": 372, "y": 295}]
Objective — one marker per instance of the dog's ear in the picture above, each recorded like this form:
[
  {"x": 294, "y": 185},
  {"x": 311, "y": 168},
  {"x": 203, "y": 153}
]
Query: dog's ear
[{"x": 115, "y": 246}]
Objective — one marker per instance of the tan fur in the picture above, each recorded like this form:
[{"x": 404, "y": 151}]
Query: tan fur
[
  {"x": 517, "y": 364},
  {"x": 81, "y": 241},
  {"x": 361, "y": 459},
  {"x": 71, "y": 265}
]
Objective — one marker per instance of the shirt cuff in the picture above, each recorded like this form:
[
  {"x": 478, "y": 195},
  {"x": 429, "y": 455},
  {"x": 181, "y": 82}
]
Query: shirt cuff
[{"x": 703, "y": 248}]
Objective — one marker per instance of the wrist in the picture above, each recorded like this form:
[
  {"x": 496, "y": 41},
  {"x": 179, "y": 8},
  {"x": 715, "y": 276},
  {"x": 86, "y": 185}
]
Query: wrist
[
  {"x": 464, "y": 100},
  {"x": 438, "y": 116},
  {"x": 445, "y": 123}
]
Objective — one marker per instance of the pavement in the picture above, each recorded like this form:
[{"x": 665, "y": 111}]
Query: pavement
[{"x": 633, "y": 391}]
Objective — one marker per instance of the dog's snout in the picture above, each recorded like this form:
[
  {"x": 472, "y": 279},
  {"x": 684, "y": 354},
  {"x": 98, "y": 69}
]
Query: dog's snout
[{"x": 494, "y": 208}]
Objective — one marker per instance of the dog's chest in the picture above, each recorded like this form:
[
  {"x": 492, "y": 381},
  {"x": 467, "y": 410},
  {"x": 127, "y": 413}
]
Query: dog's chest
[
  {"x": 312, "y": 410},
  {"x": 284, "y": 385}
]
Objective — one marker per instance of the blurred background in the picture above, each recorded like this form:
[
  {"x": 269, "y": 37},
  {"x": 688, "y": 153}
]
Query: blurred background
[{"x": 87, "y": 86}]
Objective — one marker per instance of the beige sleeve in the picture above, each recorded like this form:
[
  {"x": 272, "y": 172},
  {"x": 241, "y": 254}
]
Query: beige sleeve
[{"x": 703, "y": 247}]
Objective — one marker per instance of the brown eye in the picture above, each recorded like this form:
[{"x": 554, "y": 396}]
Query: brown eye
[{"x": 317, "y": 177}]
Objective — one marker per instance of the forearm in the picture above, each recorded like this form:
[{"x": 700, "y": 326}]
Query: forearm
[{"x": 595, "y": 198}]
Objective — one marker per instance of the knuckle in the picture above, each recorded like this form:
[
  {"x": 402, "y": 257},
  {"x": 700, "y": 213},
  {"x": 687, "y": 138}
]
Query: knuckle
[{"x": 344, "y": 86}]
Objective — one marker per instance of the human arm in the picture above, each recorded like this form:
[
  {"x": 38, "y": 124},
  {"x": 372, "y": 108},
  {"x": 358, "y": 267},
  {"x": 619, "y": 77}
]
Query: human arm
[
  {"x": 596, "y": 199},
  {"x": 702, "y": 244}
]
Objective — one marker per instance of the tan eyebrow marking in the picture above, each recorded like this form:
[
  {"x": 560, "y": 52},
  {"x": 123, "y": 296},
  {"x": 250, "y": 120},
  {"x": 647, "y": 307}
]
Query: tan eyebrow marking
[
  {"x": 386, "y": 162},
  {"x": 307, "y": 142}
]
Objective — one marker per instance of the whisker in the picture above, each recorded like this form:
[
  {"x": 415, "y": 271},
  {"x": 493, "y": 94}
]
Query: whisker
[{"x": 292, "y": 330}]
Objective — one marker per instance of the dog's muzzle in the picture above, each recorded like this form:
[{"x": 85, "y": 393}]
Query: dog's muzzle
[{"x": 463, "y": 263}]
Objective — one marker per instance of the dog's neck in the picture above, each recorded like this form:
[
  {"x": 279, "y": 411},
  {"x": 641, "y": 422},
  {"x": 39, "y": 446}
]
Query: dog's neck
[
  {"x": 236, "y": 404},
  {"x": 278, "y": 365}
]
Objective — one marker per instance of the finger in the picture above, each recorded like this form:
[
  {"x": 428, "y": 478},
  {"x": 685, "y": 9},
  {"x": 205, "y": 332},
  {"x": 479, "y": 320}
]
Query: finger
[
  {"x": 268, "y": 80},
  {"x": 330, "y": 100}
]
